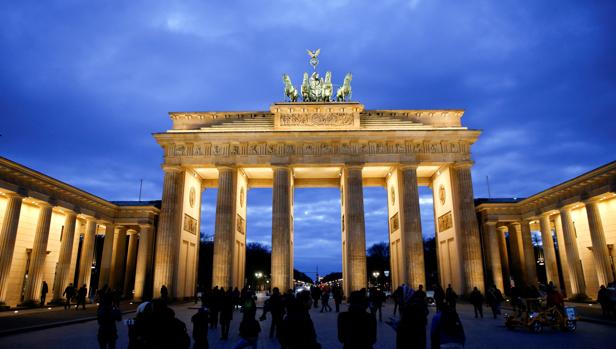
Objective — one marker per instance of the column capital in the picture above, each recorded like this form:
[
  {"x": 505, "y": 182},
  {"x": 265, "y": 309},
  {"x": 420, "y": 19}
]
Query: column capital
[
  {"x": 462, "y": 164},
  {"x": 225, "y": 167},
  {"x": 408, "y": 166},
  {"x": 354, "y": 165},
  {"x": 146, "y": 226},
  {"x": 280, "y": 166},
  {"x": 131, "y": 231},
  {"x": 494, "y": 223},
  {"x": 12, "y": 194},
  {"x": 592, "y": 200},
  {"x": 171, "y": 168}
]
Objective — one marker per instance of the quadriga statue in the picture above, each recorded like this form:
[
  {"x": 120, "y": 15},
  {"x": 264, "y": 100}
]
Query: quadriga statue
[{"x": 344, "y": 92}]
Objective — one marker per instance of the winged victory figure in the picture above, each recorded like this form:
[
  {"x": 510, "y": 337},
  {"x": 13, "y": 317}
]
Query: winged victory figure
[{"x": 314, "y": 57}]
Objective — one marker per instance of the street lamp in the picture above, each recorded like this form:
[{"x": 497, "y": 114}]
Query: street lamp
[{"x": 376, "y": 274}]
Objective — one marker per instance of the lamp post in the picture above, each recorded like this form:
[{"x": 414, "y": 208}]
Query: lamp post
[
  {"x": 376, "y": 274},
  {"x": 258, "y": 276}
]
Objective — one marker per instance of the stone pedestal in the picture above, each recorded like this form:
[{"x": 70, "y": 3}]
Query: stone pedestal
[
  {"x": 63, "y": 277},
  {"x": 599, "y": 245},
  {"x": 355, "y": 228},
  {"x": 8, "y": 234},
  {"x": 116, "y": 276},
  {"x": 530, "y": 268},
  {"x": 144, "y": 260},
  {"x": 168, "y": 237},
  {"x": 87, "y": 254},
  {"x": 549, "y": 253},
  {"x": 282, "y": 263},
  {"x": 412, "y": 234},
  {"x": 467, "y": 224},
  {"x": 576, "y": 276},
  {"x": 32, "y": 291},
  {"x": 493, "y": 251},
  {"x": 224, "y": 233},
  {"x": 106, "y": 258},
  {"x": 131, "y": 259}
]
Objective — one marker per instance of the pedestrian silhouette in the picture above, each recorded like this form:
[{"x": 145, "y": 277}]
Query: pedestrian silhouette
[
  {"x": 356, "y": 327},
  {"x": 337, "y": 294},
  {"x": 411, "y": 329},
  {"x": 249, "y": 331},
  {"x": 164, "y": 293},
  {"x": 325, "y": 301},
  {"x": 494, "y": 297},
  {"x": 200, "y": 325},
  {"x": 297, "y": 330},
  {"x": 476, "y": 299},
  {"x": 226, "y": 313},
  {"x": 69, "y": 293},
  {"x": 107, "y": 315},
  {"x": 446, "y": 330},
  {"x": 44, "y": 291},
  {"x": 81, "y": 297},
  {"x": 451, "y": 297}
]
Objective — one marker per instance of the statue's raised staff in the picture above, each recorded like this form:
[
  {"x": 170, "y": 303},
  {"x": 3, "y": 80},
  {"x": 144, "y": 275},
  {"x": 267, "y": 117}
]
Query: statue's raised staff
[
  {"x": 290, "y": 91},
  {"x": 344, "y": 92}
]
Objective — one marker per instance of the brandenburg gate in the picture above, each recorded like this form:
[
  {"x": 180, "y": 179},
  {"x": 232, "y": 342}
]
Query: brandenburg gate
[{"x": 317, "y": 144}]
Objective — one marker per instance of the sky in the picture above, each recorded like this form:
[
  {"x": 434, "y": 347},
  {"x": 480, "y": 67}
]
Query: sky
[{"x": 84, "y": 84}]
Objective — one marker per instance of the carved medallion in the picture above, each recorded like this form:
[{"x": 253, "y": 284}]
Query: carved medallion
[
  {"x": 242, "y": 198},
  {"x": 393, "y": 196},
  {"x": 191, "y": 197},
  {"x": 441, "y": 194}
]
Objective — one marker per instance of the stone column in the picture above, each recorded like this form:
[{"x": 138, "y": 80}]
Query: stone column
[
  {"x": 412, "y": 226},
  {"x": 549, "y": 253},
  {"x": 144, "y": 259},
  {"x": 39, "y": 252},
  {"x": 87, "y": 253},
  {"x": 529, "y": 255},
  {"x": 63, "y": 274},
  {"x": 282, "y": 264},
  {"x": 504, "y": 257},
  {"x": 576, "y": 276},
  {"x": 599, "y": 245},
  {"x": 493, "y": 250},
  {"x": 224, "y": 231},
  {"x": 517, "y": 254},
  {"x": 168, "y": 237},
  {"x": 8, "y": 234},
  {"x": 464, "y": 205},
  {"x": 106, "y": 258},
  {"x": 131, "y": 259},
  {"x": 356, "y": 235},
  {"x": 116, "y": 276},
  {"x": 562, "y": 254}
]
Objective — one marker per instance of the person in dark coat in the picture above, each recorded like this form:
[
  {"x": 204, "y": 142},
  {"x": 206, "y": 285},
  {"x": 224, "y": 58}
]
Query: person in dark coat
[
  {"x": 375, "y": 300},
  {"x": 69, "y": 293},
  {"x": 249, "y": 331},
  {"x": 439, "y": 297},
  {"x": 200, "y": 325},
  {"x": 236, "y": 298},
  {"x": 476, "y": 299},
  {"x": 494, "y": 297},
  {"x": 446, "y": 329},
  {"x": 603, "y": 298},
  {"x": 337, "y": 294},
  {"x": 164, "y": 293},
  {"x": 411, "y": 330},
  {"x": 44, "y": 291},
  {"x": 107, "y": 316},
  {"x": 356, "y": 327},
  {"x": 226, "y": 313},
  {"x": 214, "y": 304},
  {"x": 325, "y": 301},
  {"x": 451, "y": 297},
  {"x": 315, "y": 292},
  {"x": 297, "y": 330},
  {"x": 397, "y": 297},
  {"x": 81, "y": 297},
  {"x": 276, "y": 308}
]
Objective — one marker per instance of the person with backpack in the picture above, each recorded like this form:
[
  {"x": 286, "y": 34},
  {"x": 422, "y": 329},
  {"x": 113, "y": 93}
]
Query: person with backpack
[{"x": 446, "y": 330}]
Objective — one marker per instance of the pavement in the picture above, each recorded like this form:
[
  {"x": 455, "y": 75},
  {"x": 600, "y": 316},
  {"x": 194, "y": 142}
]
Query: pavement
[{"x": 481, "y": 333}]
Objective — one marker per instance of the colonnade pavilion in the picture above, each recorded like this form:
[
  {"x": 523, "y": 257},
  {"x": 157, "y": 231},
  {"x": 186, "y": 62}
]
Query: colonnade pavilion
[{"x": 55, "y": 232}]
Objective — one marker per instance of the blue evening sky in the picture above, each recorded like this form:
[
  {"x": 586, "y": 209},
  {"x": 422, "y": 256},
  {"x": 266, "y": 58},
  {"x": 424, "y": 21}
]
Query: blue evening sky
[{"x": 83, "y": 84}]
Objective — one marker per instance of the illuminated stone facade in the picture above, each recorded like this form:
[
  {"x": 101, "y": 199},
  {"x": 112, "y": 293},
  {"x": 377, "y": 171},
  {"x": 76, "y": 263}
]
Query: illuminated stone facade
[{"x": 577, "y": 224}]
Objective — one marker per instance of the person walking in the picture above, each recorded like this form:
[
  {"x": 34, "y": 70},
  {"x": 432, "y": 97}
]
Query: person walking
[
  {"x": 494, "y": 297},
  {"x": 297, "y": 330},
  {"x": 226, "y": 313},
  {"x": 44, "y": 291},
  {"x": 276, "y": 308},
  {"x": 446, "y": 330},
  {"x": 337, "y": 294},
  {"x": 439, "y": 297},
  {"x": 81, "y": 297},
  {"x": 69, "y": 293},
  {"x": 164, "y": 293},
  {"x": 325, "y": 301},
  {"x": 476, "y": 299},
  {"x": 356, "y": 327},
  {"x": 603, "y": 298},
  {"x": 397, "y": 297},
  {"x": 107, "y": 315},
  {"x": 375, "y": 300},
  {"x": 451, "y": 297},
  {"x": 200, "y": 324},
  {"x": 215, "y": 301},
  {"x": 249, "y": 331},
  {"x": 315, "y": 292},
  {"x": 411, "y": 329}
]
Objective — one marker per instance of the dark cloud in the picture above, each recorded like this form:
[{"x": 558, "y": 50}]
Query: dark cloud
[{"x": 83, "y": 86}]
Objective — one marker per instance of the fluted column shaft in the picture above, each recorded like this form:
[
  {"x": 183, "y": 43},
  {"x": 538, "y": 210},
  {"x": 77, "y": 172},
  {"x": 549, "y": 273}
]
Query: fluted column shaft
[
  {"x": 529, "y": 255},
  {"x": 131, "y": 258},
  {"x": 282, "y": 263},
  {"x": 62, "y": 278},
  {"x": 549, "y": 253},
  {"x": 495, "y": 259},
  {"x": 412, "y": 227},
  {"x": 356, "y": 236},
  {"x": 599, "y": 245},
  {"x": 504, "y": 257},
  {"x": 517, "y": 254},
  {"x": 39, "y": 252},
  {"x": 167, "y": 242},
  {"x": 224, "y": 231},
  {"x": 576, "y": 277},
  {"x": 116, "y": 276},
  {"x": 8, "y": 234},
  {"x": 469, "y": 231},
  {"x": 87, "y": 253},
  {"x": 106, "y": 258},
  {"x": 562, "y": 254},
  {"x": 144, "y": 259}
]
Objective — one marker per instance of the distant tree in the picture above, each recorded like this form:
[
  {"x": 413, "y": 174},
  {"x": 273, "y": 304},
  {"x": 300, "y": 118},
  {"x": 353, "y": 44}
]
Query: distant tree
[
  {"x": 332, "y": 277},
  {"x": 300, "y": 276},
  {"x": 377, "y": 260},
  {"x": 430, "y": 262},
  {"x": 258, "y": 259}
]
